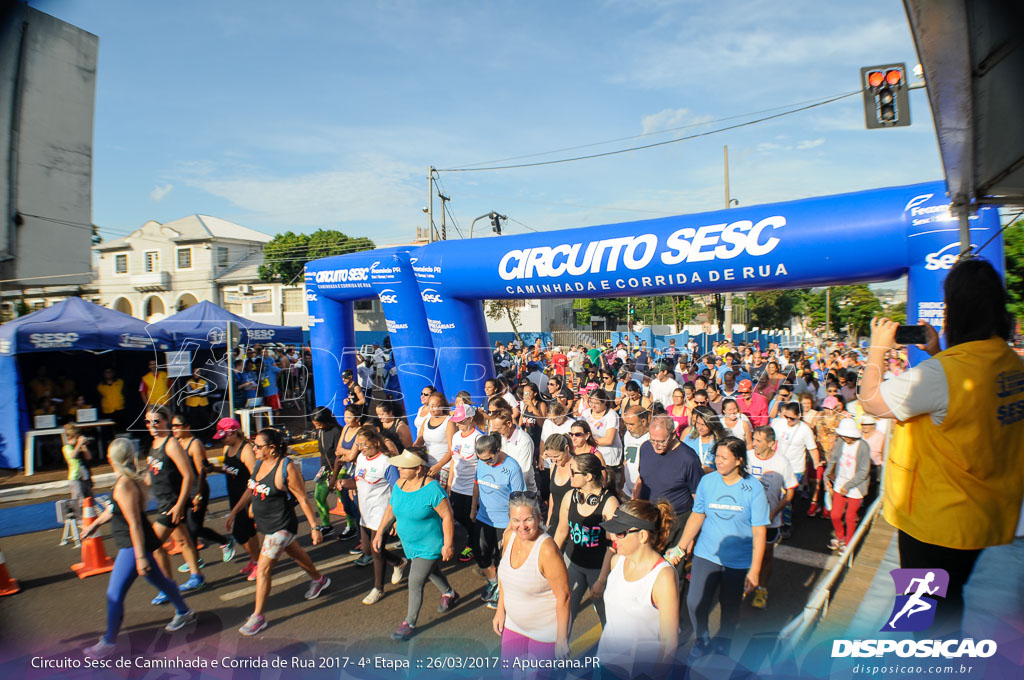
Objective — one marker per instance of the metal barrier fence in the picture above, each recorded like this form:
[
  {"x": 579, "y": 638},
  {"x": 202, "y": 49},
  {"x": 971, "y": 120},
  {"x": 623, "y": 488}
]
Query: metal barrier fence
[
  {"x": 572, "y": 338},
  {"x": 817, "y": 605}
]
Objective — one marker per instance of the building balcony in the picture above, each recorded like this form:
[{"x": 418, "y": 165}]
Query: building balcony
[{"x": 152, "y": 281}]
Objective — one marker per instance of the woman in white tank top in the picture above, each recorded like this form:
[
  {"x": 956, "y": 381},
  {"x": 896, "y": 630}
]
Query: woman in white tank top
[
  {"x": 532, "y": 614},
  {"x": 433, "y": 434},
  {"x": 424, "y": 411},
  {"x": 642, "y": 597}
]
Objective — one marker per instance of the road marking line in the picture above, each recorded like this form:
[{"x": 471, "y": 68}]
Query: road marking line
[
  {"x": 585, "y": 641},
  {"x": 295, "y": 575}
]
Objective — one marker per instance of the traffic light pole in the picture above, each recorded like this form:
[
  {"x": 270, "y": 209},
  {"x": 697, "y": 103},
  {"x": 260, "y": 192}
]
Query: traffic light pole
[{"x": 727, "y": 306}]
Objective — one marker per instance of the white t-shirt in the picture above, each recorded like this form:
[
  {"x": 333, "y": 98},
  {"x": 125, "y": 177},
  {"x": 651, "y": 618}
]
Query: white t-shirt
[
  {"x": 519, "y": 447},
  {"x": 609, "y": 422},
  {"x": 631, "y": 460},
  {"x": 549, "y": 428},
  {"x": 372, "y": 488},
  {"x": 847, "y": 469},
  {"x": 922, "y": 389},
  {"x": 776, "y": 475},
  {"x": 512, "y": 401},
  {"x": 793, "y": 442},
  {"x": 737, "y": 430},
  {"x": 661, "y": 391},
  {"x": 464, "y": 461}
]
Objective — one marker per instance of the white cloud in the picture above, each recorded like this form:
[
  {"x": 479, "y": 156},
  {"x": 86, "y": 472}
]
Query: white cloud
[
  {"x": 159, "y": 192},
  {"x": 672, "y": 118},
  {"x": 810, "y": 143}
]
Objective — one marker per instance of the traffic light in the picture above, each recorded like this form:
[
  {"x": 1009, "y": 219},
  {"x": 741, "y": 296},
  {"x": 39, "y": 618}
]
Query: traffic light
[
  {"x": 632, "y": 310},
  {"x": 496, "y": 223},
  {"x": 886, "y": 96}
]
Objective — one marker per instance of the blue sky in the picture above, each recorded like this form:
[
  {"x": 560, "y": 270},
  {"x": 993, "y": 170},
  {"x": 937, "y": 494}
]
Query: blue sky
[{"x": 327, "y": 114}]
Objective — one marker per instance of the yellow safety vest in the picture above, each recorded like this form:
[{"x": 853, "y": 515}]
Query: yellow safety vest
[{"x": 960, "y": 484}]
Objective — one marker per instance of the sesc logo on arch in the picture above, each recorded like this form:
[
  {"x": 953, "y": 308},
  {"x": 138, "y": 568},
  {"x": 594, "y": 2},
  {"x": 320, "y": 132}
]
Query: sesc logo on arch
[{"x": 943, "y": 258}]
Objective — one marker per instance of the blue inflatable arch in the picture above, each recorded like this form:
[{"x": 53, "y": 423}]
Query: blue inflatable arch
[{"x": 432, "y": 295}]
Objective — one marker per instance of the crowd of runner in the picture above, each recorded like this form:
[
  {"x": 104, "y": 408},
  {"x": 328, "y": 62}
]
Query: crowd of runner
[{"x": 584, "y": 474}]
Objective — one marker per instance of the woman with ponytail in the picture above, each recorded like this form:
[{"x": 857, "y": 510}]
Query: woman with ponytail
[
  {"x": 136, "y": 541},
  {"x": 580, "y": 535},
  {"x": 642, "y": 595}
]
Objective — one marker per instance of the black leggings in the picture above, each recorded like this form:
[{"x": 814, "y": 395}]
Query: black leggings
[
  {"x": 485, "y": 541},
  {"x": 705, "y": 578},
  {"x": 194, "y": 520},
  {"x": 915, "y": 554},
  {"x": 462, "y": 506},
  {"x": 379, "y": 558}
]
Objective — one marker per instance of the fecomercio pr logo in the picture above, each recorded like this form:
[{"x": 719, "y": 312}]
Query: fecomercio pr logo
[{"x": 917, "y": 596}]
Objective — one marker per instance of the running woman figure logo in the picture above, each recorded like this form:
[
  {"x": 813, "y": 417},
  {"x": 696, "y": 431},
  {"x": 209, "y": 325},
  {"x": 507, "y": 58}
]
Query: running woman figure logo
[{"x": 916, "y": 592}]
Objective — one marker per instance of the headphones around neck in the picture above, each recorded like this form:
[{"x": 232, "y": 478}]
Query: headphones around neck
[{"x": 590, "y": 499}]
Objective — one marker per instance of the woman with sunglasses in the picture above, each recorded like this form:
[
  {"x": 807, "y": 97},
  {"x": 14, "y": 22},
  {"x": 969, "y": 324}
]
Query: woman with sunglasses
[
  {"x": 604, "y": 424},
  {"x": 705, "y": 429},
  {"x": 583, "y": 439},
  {"x": 580, "y": 535},
  {"x": 197, "y": 510},
  {"x": 532, "y": 610},
  {"x": 468, "y": 423},
  {"x": 342, "y": 470},
  {"x": 171, "y": 477},
  {"x": 424, "y": 411},
  {"x": 434, "y": 436},
  {"x": 642, "y": 595},
  {"x": 136, "y": 542},
  {"x": 275, "y": 487},
  {"x": 731, "y": 515},
  {"x": 237, "y": 465},
  {"x": 422, "y": 516}
]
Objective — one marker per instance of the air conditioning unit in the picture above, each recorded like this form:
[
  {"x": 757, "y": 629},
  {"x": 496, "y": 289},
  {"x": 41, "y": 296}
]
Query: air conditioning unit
[{"x": 245, "y": 289}]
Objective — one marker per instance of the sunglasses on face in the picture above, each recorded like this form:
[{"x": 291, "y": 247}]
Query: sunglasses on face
[
  {"x": 614, "y": 534},
  {"x": 791, "y": 418},
  {"x": 177, "y": 424}
]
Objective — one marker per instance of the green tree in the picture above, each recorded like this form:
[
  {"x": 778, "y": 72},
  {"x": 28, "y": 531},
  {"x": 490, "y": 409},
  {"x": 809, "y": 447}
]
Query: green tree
[
  {"x": 813, "y": 307},
  {"x": 1013, "y": 252},
  {"x": 329, "y": 242},
  {"x": 897, "y": 312},
  {"x": 773, "y": 308},
  {"x": 508, "y": 309},
  {"x": 857, "y": 305},
  {"x": 285, "y": 257}
]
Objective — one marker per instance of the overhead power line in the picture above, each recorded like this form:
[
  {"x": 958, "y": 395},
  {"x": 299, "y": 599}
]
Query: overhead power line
[{"x": 656, "y": 144}]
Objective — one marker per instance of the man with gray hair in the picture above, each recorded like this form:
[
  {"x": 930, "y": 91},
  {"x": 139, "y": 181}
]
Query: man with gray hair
[{"x": 670, "y": 470}]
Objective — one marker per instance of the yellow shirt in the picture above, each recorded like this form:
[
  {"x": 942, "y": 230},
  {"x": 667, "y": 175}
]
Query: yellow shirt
[
  {"x": 111, "y": 396},
  {"x": 960, "y": 484},
  {"x": 157, "y": 389},
  {"x": 198, "y": 400}
]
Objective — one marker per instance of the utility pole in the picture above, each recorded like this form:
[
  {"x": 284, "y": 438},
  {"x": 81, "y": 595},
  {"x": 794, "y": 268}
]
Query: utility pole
[
  {"x": 828, "y": 311},
  {"x": 444, "y": 228},
  {"x": 727, "y": 306},
  {"x": 430, "y": 204}
]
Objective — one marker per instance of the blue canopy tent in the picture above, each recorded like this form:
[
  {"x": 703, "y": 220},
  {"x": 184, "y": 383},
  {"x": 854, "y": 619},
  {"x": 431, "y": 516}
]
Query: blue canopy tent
[
  {"x": 203, "y": 325},
  {"x": 69, "y": 326}
]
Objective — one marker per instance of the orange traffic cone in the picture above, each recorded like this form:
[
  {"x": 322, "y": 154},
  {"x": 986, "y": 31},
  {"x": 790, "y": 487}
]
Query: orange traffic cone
[
  {"x": 94, "y": 557},
  {"x": 8, "y": 586},
  {"x": 338, "y": 509}
]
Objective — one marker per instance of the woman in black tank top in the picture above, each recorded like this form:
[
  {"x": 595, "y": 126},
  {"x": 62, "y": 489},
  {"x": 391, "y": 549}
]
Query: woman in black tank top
[
  {"x": 239, "y": 461},
  {"x": 393, "y": 426},
  {"x": 558, "y": 450},
  {"x": 171, "y": 479},
  {"x": 196, "y": 515},
  {"x": 580, "y": 533},
  {"x": 134, "y": 555},
  {"x": 274, "y": 487}
]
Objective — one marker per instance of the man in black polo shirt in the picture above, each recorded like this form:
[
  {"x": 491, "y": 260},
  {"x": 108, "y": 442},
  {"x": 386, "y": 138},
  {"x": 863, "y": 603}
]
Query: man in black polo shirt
[{"x": 669, "y": 469}]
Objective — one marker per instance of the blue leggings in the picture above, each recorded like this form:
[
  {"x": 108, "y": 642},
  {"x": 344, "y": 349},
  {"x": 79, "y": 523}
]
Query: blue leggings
[{"x": 121, "y": 579}]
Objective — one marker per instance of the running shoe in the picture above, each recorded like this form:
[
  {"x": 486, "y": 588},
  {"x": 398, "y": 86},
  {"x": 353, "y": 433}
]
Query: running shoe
[
  {"x": 317, "y": 587},
  {"x": 183, "y": 569},
  {"x": 490, "y": 592},
  {"x": 326, "y": 530},
  {"x": 396, "y": 575},
  {"x": 834, "y": 544},
  {"x": 842, "y": 549},
  {"x": 699, "y": 649},
  {"x": 228, "y": 551},
  {"x": 181, "y": 620},
  {"x": 100, "y": 650},
  {"x": 252, "y": 574},
  {"x": 760, "y": 600},
  {"x": 403, "y": 633},
  {"x": 350, "y": 532},
  {"x": 448, "y": 600},
  {"x": 194, "y": 582},
  {"x": 253, "y": 625},
  {"x": 358, "y": 550},
  {"x": 249, "y": 568},
  {"x": 160, "y": 599},
  {"x": 825, "y": 514},
  {"x": 466, "y": 555},
  {"x": 374, "y": 596},
  {"x": 363, "y": 560},
  {"x": 813, "y": 510}
]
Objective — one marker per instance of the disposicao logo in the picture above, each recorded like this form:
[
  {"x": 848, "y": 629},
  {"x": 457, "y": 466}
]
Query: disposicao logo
[{"x": 917, "y": 597}]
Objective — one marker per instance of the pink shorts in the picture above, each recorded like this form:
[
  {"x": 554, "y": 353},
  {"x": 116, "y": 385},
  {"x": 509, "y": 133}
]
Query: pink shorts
[
  {"x": 516, "y": 646},
  {"x": 274, "y": 544}
]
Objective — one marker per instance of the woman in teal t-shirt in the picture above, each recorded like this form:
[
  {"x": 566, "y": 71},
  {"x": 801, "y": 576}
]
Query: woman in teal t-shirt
[{"x": 426, "y": 527}]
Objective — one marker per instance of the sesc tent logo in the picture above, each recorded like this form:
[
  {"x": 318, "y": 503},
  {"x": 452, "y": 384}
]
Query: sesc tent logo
[{"x": 916, "y": 592}]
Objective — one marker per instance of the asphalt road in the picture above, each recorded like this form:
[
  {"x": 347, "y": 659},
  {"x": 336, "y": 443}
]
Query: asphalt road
[{"x": 57, "y": 614}]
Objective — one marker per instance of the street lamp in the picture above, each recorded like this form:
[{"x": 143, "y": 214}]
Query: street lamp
[{"x": 495, "y": 219}]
